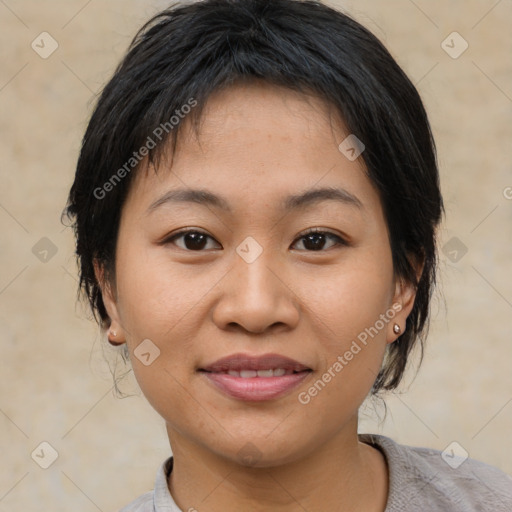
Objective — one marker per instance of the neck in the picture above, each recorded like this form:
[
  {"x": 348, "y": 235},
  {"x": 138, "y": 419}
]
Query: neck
[{"x": 343, "y": 475}]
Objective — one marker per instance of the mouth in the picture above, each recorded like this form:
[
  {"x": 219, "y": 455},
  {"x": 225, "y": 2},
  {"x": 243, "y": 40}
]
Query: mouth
[{"x": 255, "y": 378}]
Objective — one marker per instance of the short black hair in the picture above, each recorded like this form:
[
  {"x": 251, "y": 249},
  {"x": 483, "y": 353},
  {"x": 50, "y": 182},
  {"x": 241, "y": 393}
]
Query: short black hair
[{"x": 188, "y": 51}]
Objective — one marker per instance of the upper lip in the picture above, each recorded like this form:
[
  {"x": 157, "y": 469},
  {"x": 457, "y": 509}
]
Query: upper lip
[{"x": 239, "y": 362}]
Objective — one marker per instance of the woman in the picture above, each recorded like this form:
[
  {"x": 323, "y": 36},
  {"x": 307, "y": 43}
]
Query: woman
[{"x": 255, "y": 205}]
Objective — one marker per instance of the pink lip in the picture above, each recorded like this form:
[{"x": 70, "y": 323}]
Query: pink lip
[
  {"x": 240, "y": 362},
  {"x": 255, "y": 388}
]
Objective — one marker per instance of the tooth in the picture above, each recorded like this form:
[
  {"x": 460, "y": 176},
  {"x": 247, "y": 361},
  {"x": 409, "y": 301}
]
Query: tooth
[
  {"x": 247, "y": 374},
  {"x": 278, "y": 372},
  {"x": 234, "y": 373},
  {"x": 265, "y": 373}
]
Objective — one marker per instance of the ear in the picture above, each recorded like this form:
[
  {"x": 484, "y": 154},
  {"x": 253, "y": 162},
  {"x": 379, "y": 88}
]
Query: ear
[
  {"x": 403, "y": 302},
  {"x": 116, "y": 332}
]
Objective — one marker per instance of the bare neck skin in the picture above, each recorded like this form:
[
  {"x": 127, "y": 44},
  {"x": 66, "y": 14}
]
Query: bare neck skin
[{"x": 344, "y": 475}]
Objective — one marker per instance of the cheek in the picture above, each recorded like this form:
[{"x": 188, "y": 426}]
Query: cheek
[
  {"x": 156, "y": 295},
  {"x": 350, "y": 298},
  {"x": 351, "y": 334},
  {"x": 159, "y": 304},
  {"x": 351, "y": 311}
]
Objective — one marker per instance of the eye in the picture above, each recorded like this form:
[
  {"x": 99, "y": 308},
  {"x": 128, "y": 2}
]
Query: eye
[
  {"x": 193, "y": 240},
  {"x": 315, "y": 239}
]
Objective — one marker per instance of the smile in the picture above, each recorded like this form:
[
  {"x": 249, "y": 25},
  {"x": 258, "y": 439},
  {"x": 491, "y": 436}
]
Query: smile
[{"x": 255, "y": 378}]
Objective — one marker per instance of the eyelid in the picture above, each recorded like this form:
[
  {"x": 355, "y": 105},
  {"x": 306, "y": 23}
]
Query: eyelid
[{"x": 319, "y": 230}]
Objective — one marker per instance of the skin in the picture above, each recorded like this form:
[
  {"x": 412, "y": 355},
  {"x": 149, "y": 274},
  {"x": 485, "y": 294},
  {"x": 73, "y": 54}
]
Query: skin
[{"x": 257, "y": 145}]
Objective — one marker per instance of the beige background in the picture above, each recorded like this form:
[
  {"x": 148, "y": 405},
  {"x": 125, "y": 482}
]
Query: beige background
[{"x": 55, "y": 385}]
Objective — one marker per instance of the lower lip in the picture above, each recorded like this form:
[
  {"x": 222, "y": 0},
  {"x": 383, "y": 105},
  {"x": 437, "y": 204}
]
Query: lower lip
[{"x": 255, "y": 389}]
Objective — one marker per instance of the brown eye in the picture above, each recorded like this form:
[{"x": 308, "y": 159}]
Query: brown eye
[
  {"x": 191, "y": 240},
  {"x": 317, "y": 240}
]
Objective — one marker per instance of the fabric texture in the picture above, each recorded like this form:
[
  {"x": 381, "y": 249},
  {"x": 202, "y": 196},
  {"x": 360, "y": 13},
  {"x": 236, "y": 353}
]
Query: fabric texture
[{"x": 419, "y": 479}]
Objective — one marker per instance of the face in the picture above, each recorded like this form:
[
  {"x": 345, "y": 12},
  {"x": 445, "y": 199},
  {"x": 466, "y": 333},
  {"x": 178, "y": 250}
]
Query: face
[{"x": 257, "y": 314}]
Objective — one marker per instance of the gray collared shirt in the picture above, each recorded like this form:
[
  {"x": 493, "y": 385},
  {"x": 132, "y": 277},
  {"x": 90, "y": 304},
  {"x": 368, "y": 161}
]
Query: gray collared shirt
[{"x": 419, "y": 479}]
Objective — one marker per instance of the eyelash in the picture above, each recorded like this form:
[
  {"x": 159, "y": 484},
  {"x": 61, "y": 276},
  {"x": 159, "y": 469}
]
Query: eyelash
[{"x": 339, "y": 240}]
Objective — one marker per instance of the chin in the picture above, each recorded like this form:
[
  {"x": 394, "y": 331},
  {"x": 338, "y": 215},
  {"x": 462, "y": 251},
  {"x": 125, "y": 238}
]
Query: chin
[{"x": 261, "y": 452}]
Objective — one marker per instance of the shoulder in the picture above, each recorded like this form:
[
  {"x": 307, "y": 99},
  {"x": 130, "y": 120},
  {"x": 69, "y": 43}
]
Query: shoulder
[
  {"x": 421, "y": 476},
  {"x": 143, "y": 503},
  {"x": 159, "y": 499}
]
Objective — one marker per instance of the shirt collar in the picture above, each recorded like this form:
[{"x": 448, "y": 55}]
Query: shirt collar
[
  {"x": 162, "y": 499},
  {"x": 164, "y": 502}
]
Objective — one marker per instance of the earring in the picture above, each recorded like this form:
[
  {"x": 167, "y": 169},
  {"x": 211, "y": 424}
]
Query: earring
[
  {"x": 396, "y": 329},
  {"x": 111, "y": 338}
]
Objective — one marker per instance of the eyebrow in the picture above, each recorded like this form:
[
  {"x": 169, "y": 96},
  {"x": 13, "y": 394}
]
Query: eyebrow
[{"x": 292, "y": 202}]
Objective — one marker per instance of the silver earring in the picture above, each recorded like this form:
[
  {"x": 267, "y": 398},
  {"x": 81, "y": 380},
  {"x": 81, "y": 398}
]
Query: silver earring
[{"x": 396, "y": 329}]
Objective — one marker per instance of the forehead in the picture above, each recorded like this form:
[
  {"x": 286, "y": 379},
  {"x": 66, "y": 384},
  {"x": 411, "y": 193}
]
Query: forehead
[
  {"x": 257, "y": 113},
  {"x": 258, "y": 143}
]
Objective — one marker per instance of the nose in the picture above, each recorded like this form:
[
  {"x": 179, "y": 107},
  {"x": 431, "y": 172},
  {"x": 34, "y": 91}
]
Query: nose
[{"x": 257, "y": 297}]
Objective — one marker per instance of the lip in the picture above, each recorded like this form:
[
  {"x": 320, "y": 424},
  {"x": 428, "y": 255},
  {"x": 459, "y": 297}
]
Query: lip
[
  {"x": 238, "y": 362},
  {"x": 255, "y": 389}
]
